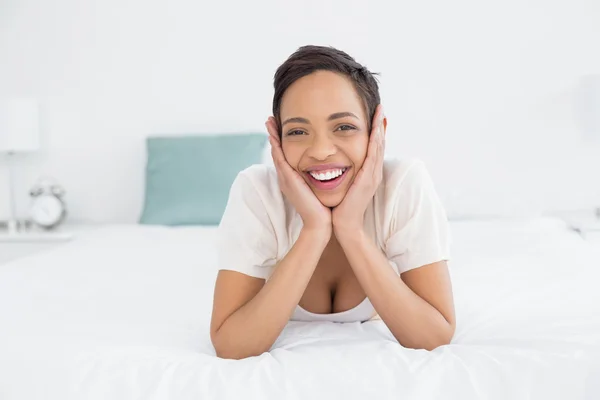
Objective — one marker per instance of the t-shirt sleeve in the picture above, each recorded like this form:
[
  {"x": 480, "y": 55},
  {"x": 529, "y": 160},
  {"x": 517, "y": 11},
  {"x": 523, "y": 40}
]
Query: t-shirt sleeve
[
  {"x": 246, "y": 239},
  {"x": 419, "y": 229}
]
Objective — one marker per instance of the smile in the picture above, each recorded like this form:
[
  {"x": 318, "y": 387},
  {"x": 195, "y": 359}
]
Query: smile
[{"x": 327, "y": 179}]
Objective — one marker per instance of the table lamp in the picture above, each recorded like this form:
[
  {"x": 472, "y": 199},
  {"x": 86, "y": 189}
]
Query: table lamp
[{"x": 19, "y": 134}]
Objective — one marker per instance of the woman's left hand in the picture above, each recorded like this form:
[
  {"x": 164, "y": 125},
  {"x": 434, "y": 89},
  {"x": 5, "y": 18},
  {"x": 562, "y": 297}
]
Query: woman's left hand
[{"x": 349, "y": 215}]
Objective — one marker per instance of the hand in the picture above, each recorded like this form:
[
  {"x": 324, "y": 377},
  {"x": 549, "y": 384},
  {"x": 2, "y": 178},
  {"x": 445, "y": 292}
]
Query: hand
[
  {"x": 314, "y": 214},
  {"x": 349, "y": 215}
]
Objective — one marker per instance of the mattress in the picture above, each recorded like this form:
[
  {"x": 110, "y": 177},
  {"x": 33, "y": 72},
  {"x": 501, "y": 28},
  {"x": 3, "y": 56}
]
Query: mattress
[{"x": 123, "y": 312}]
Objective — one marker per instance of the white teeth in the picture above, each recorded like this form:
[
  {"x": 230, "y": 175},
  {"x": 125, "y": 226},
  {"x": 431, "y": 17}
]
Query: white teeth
[{"x": 327, "y": 175}]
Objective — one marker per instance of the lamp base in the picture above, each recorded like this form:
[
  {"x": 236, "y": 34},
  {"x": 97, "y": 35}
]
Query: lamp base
[
  {"x": 28, "y": 237},
  {"x": 11, "y": 226},
  {"x": 13, "y": 234}
]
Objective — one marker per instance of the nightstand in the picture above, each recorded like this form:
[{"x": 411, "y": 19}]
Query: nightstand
[{"x": 36, "y": 241}]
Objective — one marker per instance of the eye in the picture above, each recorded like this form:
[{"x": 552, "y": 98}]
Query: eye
[
  {"x": 345, "y": 127},
  {"x": 295, "y": 132}
]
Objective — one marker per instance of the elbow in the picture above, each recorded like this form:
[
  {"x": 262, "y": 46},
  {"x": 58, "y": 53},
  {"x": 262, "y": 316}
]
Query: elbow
[
  {"x": 233, "y": 354},
  {"x": 442, "y": 337},
  {"x": 231, "y": 351},
  {"x": 228, "y": 354},
  {"x": 225, "y": 352},
  {"x": 439, "y": 342},
  {"x": 430, "y": 345}
]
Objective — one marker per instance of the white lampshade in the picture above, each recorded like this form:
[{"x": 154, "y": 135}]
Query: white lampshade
[{"x": 19, "y": 125}]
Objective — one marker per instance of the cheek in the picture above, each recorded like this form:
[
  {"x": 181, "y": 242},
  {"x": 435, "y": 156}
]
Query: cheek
[
  {"x": 292, "y": 153},
  {"x": 356, "y": 150}
]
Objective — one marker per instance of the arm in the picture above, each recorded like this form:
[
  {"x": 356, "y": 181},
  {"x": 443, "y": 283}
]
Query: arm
[
  {"x": 248, "y": 314},
  {"x": 418, "y": 309}
]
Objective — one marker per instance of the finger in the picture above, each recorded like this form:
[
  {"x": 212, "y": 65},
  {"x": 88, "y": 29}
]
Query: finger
[
  {"x": 371, "y": 155},
  {"x": 382, "y": 151},
  {"x": 271, "y": 125},
  {"x": 278, "y": 157},
  {"x": 370, "y": 165},
  {"x": 380, "y": 121},
  {"x": 378, "y": 169},
  {"x": 272, "y": 143},
  {"x": 359, "y": 177},
  {"x": 377, "y": 121},
  {"x": 279, "y": 168},
  {"x": 279, "y": 160},
  {"x": 273, "y": 146},
  {"x": 379, "y": 137},
  {"x": 269, "y": 129},
  {"x": 380, "y": 140},
  {"x": 376, "y": 155},
  {"x": 275, "y": 152}
]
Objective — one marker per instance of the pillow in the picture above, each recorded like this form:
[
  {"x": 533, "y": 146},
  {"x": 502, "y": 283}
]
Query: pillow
[{"x": 188, "y": 177}]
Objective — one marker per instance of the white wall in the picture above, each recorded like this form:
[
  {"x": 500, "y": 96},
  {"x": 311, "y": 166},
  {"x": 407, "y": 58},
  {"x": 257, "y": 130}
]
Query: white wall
[{"x": 482, "y": 91}]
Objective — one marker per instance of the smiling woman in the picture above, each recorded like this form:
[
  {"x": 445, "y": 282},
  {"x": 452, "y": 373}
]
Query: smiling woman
[{"x": 331, "y": 232}]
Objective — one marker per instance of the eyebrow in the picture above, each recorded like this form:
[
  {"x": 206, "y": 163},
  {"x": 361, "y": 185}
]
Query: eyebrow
[
  {"x": 333, "y": 116},
  {"x": 341, "y": 115}
]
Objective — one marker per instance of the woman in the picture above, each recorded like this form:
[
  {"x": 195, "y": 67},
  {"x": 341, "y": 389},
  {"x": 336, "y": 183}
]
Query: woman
[{"x": 332, "y": 232}]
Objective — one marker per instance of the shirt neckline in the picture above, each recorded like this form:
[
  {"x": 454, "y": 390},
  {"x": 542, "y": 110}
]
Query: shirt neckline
[{"x": 335, "y": 313}]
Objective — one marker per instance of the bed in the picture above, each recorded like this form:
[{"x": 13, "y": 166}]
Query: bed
[{"x": 123, "y": 311}]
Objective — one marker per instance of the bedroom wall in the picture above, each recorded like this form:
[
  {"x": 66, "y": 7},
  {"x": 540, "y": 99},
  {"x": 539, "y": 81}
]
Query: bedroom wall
[{"x": 484, "y": 92}]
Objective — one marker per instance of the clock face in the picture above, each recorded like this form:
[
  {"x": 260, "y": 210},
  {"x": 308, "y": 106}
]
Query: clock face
[{"x": 46, "y": 211}]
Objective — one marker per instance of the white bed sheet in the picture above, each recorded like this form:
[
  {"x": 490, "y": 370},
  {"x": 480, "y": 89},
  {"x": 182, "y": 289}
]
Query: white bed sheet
[{"x": 123, "y": 313}]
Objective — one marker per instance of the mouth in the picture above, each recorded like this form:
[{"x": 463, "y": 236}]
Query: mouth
[{"x": 327, "y": 179}]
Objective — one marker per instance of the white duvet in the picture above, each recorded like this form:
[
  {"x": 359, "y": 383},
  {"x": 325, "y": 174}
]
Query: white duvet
[{"x": 123, "y": 313}]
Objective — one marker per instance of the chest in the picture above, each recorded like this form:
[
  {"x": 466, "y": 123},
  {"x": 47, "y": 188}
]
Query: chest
[{"x": 333, "y": 287}]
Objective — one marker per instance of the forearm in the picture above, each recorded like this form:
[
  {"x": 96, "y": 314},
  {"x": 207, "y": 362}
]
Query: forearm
[
  {"x": 413, "y": 322},
  {"x": 253, "y": 328}
]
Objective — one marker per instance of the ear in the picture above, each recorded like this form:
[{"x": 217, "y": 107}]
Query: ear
[{"x": 384, "y": 122}]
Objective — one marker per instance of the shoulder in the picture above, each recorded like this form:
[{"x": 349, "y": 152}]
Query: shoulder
[
  {"x": 404, "y": 173},
  {"x": 250, "y": 228},
  {"x": 406, "y": 187},
  {"x": 257, "y": 188},
  {"x": 257, "y": 181},
  {"x": 259, "y": 176},
  {"x": 414, "y": 223}
]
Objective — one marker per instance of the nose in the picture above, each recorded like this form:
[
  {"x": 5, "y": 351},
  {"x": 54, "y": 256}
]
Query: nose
[{"x": 321, "y": 147}]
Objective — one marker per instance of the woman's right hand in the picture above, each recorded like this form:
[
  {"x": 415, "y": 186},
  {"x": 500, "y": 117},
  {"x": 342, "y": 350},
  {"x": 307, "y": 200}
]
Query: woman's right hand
[{"x": 314, "y": 214}]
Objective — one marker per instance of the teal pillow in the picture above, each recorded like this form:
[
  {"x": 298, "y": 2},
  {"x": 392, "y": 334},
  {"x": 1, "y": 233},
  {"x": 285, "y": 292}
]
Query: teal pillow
[{"x": 188, "y": 177}]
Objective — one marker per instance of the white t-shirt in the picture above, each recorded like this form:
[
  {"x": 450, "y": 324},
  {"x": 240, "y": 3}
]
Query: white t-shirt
[{"x": 406, "y": 220}]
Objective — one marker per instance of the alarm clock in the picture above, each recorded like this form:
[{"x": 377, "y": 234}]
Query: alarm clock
[{"x": 48, "y": 208}]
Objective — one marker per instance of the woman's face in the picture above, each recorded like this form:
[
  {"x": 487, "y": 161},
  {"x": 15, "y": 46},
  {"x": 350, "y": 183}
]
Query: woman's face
[{"x": 324, "y": 133}]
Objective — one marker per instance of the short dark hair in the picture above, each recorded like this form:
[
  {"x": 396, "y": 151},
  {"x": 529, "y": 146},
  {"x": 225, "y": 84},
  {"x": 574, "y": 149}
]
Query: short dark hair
[{"x": 309, "y": 59}]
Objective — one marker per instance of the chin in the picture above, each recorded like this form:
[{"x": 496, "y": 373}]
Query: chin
[{"x": 332, "y": 200}]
